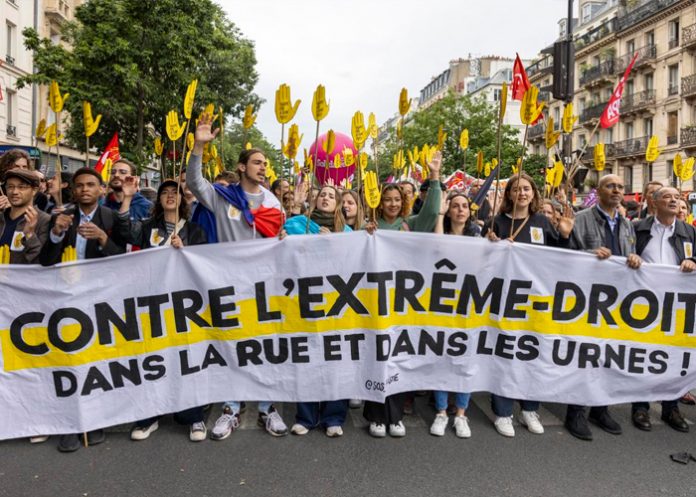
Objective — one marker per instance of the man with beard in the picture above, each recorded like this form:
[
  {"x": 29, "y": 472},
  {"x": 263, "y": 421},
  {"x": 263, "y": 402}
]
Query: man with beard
[{"x": 140, "y": 207}]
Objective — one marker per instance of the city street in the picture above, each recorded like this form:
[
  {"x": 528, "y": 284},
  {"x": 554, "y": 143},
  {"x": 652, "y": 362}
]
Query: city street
[{"x": 251, "y": 463}]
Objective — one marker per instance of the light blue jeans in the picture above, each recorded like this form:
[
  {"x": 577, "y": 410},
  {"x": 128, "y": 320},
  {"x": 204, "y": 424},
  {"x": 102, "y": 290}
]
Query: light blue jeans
[
  {"x": 234, "y": 406},
  {"x": 461, "y": 400}
]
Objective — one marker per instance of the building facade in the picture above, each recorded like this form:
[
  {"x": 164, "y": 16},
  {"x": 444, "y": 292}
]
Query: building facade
[{"x": 659, "y": 97}]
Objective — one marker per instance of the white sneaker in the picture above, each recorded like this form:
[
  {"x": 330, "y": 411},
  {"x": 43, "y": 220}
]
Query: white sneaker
[
  {"x": 273, "y": 422},
  {"x": 397, "y": 430},
  {"x": 378, "y": 430},
  {"x": 38, "y": 439},
  {"x": 143, "y": 432},
  {"x": 334, "y": 431},
  {"x": 298, "y": 429},
  {"x": 461, "y": 427},
  {"x": 531, "y": 420},
  {"x": 198, "y": 432},
  {"x": 439, "y": 425},
  {"x": 225, "y": 425},
  {"x": 504, "y": 426}
]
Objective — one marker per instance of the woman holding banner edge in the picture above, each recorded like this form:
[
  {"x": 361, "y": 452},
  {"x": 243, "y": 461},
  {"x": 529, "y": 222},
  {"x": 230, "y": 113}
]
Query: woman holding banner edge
[
  {"x": 521, "y": 219},
  {"x": 326, "y": 217},
  {"x": 392, "y": 215}
]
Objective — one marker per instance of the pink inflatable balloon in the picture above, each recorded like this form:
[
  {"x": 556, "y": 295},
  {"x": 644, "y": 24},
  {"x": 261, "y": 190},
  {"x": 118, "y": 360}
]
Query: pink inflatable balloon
[{"x": 325, "y": 165}]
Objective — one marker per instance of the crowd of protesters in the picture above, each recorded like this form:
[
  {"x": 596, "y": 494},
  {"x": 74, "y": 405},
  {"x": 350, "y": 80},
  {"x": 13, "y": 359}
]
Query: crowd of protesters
[{"x": 42, "y": 218}]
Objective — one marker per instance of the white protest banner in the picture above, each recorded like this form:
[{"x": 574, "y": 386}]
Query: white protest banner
[{"x": 103, "y": 342}]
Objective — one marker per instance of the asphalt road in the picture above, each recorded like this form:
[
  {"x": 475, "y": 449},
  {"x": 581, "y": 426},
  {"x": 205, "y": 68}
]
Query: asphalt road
[{"x": 252, "y": 463}]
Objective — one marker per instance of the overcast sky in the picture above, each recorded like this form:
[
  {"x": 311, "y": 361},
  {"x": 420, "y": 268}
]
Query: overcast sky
[{"x": 364, "y": 52}]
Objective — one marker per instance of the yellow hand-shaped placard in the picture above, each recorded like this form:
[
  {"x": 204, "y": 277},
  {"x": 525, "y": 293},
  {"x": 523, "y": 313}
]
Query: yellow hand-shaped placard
[
  {"x": 600, "y": 159},
  {"x": 358, "y": 131},
  {"x": 464, "y": 139},
  {"x": 249, "y": 117},
  {"x": 189, "y": 98},
  {"x": 320, "y": 107},
  {"x": 330, "y": 142},
  {"x": 568, "y": 118},
  {"x": 652, "y": 152},
  {"x": 55, "y": 100},
  {"x": 372, "y": 193},
  {"x": 404, "y": 102},
  {"x": 90, "y": 123},
  {"x": 372, "y": 126},
  {"x": 174, "y": 131},
  {"x": 285, "y": 110},
  {"x": 551, "y": 135},
  {"x": 363, "y": 159},
  {"x": 348, "y": 157},
  {"x": 530, "y": 110},
  {"x": 159, "y": 146},
  {"x": 41, "y": 128},
  {"x": 441, "y": 137},
  {"x": 479, "y": 162}
]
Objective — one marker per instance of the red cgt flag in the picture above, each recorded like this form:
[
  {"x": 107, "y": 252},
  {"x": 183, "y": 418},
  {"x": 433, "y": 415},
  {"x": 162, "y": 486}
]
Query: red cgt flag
[
  {"x": 520, "y": 81},
  {"x": 110, "y": 152},
  {"x": 611, "y": 113}
]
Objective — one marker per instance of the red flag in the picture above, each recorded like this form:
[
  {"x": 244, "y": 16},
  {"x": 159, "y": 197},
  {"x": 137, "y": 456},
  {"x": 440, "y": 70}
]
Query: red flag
[
  {"x": 520, "y": 81},
  {"x": 611, "y": 113},
  {"x": 110, "y": 152}
]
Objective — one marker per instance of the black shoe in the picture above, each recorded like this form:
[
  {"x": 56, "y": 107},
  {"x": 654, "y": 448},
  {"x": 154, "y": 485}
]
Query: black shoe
[
  {"x": 577, "y": 425},
  {"x": 96, "y": 437},
  {"x": 674, "y": 419},
  {"x": 69, "y": 443},
  {"x": 603, "y": 419},
  {"x": 641, "y": 420}
]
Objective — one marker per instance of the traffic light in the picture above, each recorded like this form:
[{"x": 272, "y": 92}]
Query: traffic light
[{"x": 563, "y": 70}]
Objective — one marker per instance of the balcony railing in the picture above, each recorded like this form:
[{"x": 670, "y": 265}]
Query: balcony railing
[
  {"x": 589, "y": 152},
  {"x": 536, "y": 131},
  {"x": 629, "y": 17},
  {"x": 11, "y": 130},
  {"x": 542, "y": 66},
  {"x": 646, "y": 54},
  {"x": 596, "y": 34},
  {"x": 689, "y": 36},
  {"x": 592, "y": 112},
  {"x": 673, "y": 43},
  {"x": 688, "y": 85},
  {"x": 673, "y": 89},
  {"x": 604, "y": 70},
  {"x": 637, "y": 101},
  {"x": 672, "y": 139},
  {"x": 631, "y": 147},
  {"x": 688, "y": 136}
]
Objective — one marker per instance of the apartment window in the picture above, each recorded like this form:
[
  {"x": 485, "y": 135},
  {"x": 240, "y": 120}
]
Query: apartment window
[
  {"x": 672, "y": 127},
  {"x": 10, "y": 52},
  {"x": 673, "y": 30},
  {"x": 648, "y": 81},
  {"x": 609, "y": 135},
  {"x": 581, "y": 105},
  {"x": 629, "y": 131},
  {"x": 650, "y": 38},
  {"x": 586, "y": 13},
  {"x": 557, "y": 115},
  {"x": 630, "y": 46},
  {"x": 629, "y": 87},
  {"x": 11, "y": 107},
  {"x": 628, "y": 179},
  {"x": 673, "y": 87},
  {"x": 648, "y": 127}
]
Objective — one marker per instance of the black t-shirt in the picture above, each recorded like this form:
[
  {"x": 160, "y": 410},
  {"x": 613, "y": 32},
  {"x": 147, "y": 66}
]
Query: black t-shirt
[
  {"x": 10, "y": 228},
  {"x": 537, "y": 230}
]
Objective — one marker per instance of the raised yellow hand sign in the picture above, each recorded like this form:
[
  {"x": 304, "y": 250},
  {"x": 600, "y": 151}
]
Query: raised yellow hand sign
[
  {"x": 159, "y": 146},
  {"x": 652, "y": 152},
  {"x": 568, "y": 118},
  {"x": 174, "y": 131},
  {"x": 372, "y": 193},
  {"x": 320, "y": 107},
  {"x": 372, "y": 126},
  {"x": 358, "y": 131},
  {"x": 55, "y": 99},
  {"x": 285, "y": 110},
  {"x": 599, "y": 157},
  {"x": 90, "y": 123},
  {"x": 189, "y": 98},
  {"x": 464, "y": 139},
  {"x": 441, "y": 137},
  {"x": 249, "y": 117},
  {"x": 41, "y": 128},
  {"x": 479, "y": 162},
  {"x": 530, "y": 110},
  {"x": 551, "y": 135},
  {"x": 404, "y": 102},
  {"x": 330, "y": 142}
]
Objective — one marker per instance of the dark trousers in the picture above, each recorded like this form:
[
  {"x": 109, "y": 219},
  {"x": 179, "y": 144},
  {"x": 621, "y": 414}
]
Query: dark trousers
[
  {"x": 391, "y": 412},
  {"x": 667, "y": 406},
  {"x": 330, "y": 413},
  {"x": 186, "y": 417},
  {"x": 574, "y": 410},
  {"x": 502, "y": 406}
]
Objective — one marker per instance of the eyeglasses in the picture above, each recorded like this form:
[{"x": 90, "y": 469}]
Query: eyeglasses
[{"x": 20, "y": 188}]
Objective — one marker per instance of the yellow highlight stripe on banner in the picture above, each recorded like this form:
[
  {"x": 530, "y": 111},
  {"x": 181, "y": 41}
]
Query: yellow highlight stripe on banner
[{"x": 538, "y": 321}]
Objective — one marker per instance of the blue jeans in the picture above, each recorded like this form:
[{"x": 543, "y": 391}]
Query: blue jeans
[
  {"x": 234, "y": 406},
  {"x": 330, "y": 413},
  {"x": 502, "y": 406},
  {"x": 667, "y": 406},
  {"x": 461, "y": 400}
]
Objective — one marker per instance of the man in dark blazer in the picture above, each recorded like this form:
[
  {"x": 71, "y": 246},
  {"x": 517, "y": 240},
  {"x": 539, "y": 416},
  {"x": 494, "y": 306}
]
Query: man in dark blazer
[
  {"x": 663, "y": 239},
  {"x": 88, "y": 227},
  {"x": 93, "y": 232}
]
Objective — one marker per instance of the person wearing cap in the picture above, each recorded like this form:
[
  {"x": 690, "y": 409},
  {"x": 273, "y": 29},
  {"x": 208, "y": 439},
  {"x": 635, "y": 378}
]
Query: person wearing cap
[
  {"x": 140, "y": 207},
  {"x": 163, "y": 228},
  {"x": 23, "y": 228},
  {"x": 159, "y": 229}
]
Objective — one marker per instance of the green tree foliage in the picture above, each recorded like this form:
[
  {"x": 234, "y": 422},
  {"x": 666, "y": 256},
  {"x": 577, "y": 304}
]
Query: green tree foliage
[
  {"x": 133, "y": 59},
  {"x": 455, "y": 113}
]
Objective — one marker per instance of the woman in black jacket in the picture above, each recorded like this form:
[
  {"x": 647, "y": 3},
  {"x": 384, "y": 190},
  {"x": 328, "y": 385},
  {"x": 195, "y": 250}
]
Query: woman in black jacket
[{"x": 159, "y": 229}]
